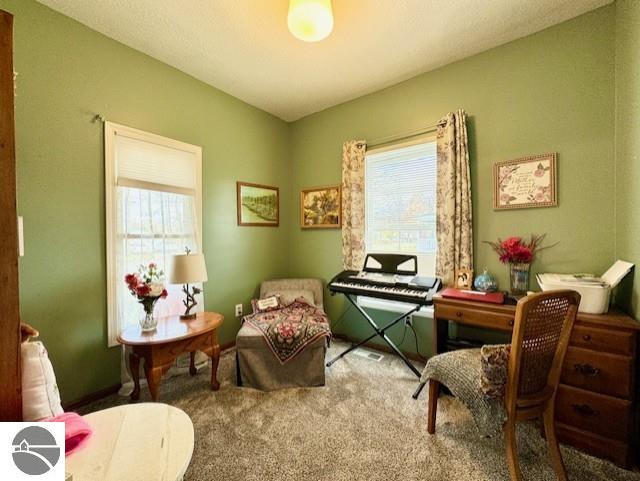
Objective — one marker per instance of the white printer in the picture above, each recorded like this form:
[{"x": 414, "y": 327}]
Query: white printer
[{"x": 595, "y": 291}]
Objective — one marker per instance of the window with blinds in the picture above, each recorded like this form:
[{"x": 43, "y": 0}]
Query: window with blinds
[
  {"x": 400, "y": 202},
  {"x": 153, "y": 211}
]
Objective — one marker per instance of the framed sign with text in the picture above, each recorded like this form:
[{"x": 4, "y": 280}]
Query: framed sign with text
[{"x": 525, "y": 182}]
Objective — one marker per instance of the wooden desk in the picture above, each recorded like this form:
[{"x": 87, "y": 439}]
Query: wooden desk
[
  {"x": 172, "y": 337},
  {"x": 597, "y": 401}
]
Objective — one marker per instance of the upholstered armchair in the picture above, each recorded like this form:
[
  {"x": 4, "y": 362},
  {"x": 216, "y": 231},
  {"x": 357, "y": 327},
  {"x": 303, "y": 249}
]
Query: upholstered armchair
[{"x": 256, "y": 365}]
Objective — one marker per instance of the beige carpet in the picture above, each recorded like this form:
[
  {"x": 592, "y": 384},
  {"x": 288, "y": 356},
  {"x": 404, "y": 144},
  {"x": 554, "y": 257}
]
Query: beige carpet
[{"x": 363, "y": 425}]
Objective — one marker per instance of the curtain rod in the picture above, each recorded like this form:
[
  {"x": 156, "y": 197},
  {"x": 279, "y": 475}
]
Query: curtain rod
[{"x": 405, "y": 135}]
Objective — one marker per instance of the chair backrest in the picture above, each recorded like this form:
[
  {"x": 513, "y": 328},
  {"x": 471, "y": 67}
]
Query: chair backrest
[
  {"x": 313, "y": 285},
  {"x": 539, "y": 343}
]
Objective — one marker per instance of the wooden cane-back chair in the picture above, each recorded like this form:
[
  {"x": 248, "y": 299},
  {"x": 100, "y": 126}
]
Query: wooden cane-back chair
[
  {"x": 542, "y": 327},
  {"x": 539, "y": 343}
]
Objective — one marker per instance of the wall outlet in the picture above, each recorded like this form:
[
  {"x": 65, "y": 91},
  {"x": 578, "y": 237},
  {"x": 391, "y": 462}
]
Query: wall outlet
[
  {"x": 238, "y": 310},
  {"x": 408, "y": 321}
]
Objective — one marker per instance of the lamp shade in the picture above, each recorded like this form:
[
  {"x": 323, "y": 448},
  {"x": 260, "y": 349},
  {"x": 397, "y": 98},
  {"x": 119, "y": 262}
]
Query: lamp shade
[
  {"x": 310, "y": 20},
  {"x": 188, "y": 269}
]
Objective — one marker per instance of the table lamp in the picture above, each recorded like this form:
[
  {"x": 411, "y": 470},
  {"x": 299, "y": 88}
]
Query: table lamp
[{"x": 188, "y": 269}]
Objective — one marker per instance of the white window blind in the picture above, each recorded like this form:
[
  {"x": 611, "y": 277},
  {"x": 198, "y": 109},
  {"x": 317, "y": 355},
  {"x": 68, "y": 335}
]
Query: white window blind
[
  {"x": 153, "y": 204},
  {"x": 147, "y": 164},
  {"x": 400, "y": 202}
]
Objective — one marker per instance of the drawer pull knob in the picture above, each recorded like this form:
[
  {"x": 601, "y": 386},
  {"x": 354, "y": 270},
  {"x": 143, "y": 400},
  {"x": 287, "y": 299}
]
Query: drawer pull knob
[
  {"x": 587, "y": 337},
  {"x": 585, "y": 410},
  {"x": 511, "y": 322},
  {"x": 586, "y": 369},
  {"x": 459, "y": 313}
]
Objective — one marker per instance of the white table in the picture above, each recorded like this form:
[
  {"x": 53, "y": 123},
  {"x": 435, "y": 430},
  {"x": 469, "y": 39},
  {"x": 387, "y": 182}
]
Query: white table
[{"x": 137, "y": 442}]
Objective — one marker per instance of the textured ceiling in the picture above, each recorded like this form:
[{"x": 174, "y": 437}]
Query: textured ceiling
[{"x": 243, "y": 47}]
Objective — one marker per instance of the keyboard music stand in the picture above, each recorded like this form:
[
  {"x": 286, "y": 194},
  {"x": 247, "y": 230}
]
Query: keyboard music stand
[{"x": 381, "y": 332}]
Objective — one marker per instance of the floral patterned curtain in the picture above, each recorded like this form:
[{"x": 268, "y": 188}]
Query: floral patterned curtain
[
  {"x": 353, "y": 249},
  {"x": 454, "y": 231}
]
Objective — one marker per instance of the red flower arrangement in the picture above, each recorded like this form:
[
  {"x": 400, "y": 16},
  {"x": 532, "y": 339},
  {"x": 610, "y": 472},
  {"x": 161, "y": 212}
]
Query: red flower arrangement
[
  {"x": 147, "y": 286},
  {"x": 514, "y": 250}
]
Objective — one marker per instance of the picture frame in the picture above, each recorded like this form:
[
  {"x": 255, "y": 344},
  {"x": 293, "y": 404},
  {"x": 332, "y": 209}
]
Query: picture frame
[
  {"x": 525, "y": 182},
  {"x": 321, "y": 207},
  {"x": 463, "y": 278},
  {"x": 257, "y": 205}
]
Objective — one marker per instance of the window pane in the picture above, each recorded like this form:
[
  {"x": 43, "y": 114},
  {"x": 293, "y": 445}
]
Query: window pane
[
  {"x": 400, "y": 200},
  {"x": 151, "y": 227}
]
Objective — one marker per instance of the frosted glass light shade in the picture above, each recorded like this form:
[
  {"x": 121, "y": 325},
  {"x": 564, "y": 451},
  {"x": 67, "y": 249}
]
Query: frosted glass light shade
[
  {"x": 188, "y": 269},
  {"x": 310, "y": 20}
]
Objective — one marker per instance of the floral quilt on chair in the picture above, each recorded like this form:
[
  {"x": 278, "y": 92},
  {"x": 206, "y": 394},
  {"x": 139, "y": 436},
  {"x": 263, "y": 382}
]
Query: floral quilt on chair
[{"x": 288, "y": 330}]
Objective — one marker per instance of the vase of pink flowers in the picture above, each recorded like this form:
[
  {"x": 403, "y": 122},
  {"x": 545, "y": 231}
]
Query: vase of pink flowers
[
  {"x": 147, "y": 285},
  {"x": 519, "y": 254}
]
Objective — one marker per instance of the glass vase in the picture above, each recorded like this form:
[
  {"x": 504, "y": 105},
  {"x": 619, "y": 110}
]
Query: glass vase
[
  {"x": 519, "y": 278},
  {"x": 148, "y": 322}
]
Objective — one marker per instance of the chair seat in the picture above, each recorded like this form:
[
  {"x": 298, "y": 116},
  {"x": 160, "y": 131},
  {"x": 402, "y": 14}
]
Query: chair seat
[{"x": 460, "y": 372}]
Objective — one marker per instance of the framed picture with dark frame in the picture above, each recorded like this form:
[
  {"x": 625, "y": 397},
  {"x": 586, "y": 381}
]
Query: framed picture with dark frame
[
  {"x": 321, "y": 207},
  {"x": 257, "y": 204},
  {"x": 525, "y": 182}
]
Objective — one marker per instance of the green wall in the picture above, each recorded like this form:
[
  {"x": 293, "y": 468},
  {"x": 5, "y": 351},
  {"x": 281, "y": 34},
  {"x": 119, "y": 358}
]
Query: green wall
[
  {"x": 66, "y": 74},
  {"x": 549, "y": 92},
  {"x": 628, "y": 143}
]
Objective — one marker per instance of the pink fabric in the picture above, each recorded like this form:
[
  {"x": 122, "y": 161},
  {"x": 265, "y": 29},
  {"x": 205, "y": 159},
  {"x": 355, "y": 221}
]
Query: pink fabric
[{"x": 76, "y": 431}]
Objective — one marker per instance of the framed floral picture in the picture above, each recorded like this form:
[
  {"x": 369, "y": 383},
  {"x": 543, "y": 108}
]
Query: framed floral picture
[
  {"x": 321, "y": 207},
  {"x": 258, "y": 205},
  {"x": 525, "y": 182}
]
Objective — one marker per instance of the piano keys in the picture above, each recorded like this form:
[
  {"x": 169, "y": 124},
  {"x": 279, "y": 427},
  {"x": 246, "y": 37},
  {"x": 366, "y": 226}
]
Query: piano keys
[{"x": 417, "y": 290}]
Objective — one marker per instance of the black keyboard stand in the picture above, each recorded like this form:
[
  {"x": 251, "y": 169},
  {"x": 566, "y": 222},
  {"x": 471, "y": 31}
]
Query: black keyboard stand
[{"x": 380, "y": 331}]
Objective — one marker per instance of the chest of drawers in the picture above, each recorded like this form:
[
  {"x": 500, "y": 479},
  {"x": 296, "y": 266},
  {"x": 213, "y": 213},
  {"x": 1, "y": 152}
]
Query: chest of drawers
[{"x": 596, "y": 402}]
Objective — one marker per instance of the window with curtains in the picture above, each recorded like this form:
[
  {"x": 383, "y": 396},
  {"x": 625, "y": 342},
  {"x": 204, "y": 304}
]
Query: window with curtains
[
  {"x": 400, "y": 201},
  {"x": 153, "y": 211}
]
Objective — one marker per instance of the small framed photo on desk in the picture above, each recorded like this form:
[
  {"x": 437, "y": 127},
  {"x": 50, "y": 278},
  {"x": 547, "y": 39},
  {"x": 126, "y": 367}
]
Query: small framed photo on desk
[{"x": 463, "y": 278}]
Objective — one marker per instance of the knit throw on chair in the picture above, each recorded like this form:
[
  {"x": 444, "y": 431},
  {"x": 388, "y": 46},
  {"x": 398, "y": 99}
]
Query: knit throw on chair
[{"x": 287, "y": 331}]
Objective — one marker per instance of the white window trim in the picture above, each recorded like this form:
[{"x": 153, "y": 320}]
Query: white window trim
[
  {"x": 110, "y": 131},
  {"x": 383, "y": 304}
]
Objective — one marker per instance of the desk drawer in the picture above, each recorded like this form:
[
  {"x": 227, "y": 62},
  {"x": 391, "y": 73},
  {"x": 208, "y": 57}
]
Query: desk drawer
[
  {"x": 476, "y": 317},
  {"x": 620, "y": 342},
  {"x": 598, "y": 371},
  {"x": 597, "y": 413}
]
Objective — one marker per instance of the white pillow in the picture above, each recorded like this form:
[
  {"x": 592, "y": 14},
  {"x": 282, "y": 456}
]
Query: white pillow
[
  {"x": 287, "y": 296},
  {"x": 40, "y": 395}
]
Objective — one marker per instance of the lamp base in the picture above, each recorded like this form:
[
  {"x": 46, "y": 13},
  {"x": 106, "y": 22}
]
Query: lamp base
[{"x": 186, "y": 317}]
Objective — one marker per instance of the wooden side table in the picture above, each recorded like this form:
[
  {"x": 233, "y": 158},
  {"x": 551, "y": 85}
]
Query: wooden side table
[{"x": 172, "y": 337}]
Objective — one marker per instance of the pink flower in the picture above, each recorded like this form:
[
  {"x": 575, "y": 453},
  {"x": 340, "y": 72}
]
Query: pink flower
[
  {"x": 539, "y": 196},
  {"x": 522, "y": 254},
  {"x": 152, "y": 265},
  {"x": 164, "y": 294},
  {"x": 538, "y": 172},
  {"x": 511, "y": 243}
]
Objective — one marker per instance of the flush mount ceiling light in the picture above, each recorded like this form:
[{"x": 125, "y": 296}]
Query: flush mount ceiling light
[{"x": 310, "y": 20}]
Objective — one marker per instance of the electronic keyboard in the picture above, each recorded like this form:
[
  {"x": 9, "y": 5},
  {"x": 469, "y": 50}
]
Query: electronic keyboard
[{"x": 386, "y": 276}]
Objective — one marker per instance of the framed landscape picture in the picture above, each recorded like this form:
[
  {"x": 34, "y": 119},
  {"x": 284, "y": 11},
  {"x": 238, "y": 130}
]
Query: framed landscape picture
[
  {"x": 258, "y": 205},
  {"x": 525, "y": 182},
  {"x": 321, "y": 207}
]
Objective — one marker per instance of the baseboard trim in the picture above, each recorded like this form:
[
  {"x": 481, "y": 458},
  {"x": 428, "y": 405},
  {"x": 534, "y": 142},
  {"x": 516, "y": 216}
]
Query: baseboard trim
[
  {"x": 91, "y": 397},
  {"x": 108, "y": 391},
  {"x": 376, "y": 347}
]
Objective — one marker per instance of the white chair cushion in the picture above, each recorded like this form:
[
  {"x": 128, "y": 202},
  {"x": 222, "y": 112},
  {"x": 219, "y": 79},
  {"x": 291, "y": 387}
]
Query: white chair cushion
[{"x": 40, "y": 395}]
